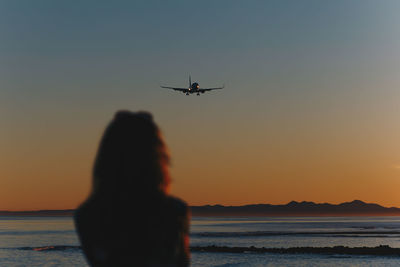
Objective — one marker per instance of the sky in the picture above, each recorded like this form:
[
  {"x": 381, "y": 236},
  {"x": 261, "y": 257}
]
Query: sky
[{"x": 310, "y": 111}]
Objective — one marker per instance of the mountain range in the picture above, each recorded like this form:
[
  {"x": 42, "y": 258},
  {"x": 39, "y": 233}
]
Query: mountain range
[{"x": 293, "y": 208}]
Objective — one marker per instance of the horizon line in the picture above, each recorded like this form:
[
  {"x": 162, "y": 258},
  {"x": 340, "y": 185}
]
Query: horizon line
[{"x": 213, "y": 205}]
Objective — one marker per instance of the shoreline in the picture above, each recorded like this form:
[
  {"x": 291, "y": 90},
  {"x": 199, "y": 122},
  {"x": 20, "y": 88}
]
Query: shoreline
[{"x": 382, "y": 250}]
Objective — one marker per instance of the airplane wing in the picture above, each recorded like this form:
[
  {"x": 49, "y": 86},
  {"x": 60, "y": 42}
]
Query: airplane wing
[
  {"x": 209, "y": 89},
  {"x": 176, "y": 89}
]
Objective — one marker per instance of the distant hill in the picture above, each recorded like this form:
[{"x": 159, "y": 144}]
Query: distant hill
[
  {"x": 354, "y": 208},
  {"x": 293, "y": 208}
]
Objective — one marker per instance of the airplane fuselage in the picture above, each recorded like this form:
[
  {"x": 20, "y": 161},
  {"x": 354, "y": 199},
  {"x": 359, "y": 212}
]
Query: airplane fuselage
[{"x": 194, "y": 88}]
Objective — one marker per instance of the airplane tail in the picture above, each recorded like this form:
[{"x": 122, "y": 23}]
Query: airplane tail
[{"x": 190, "y": 81}]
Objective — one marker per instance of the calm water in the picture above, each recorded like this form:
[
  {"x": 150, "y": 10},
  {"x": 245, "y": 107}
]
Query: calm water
[{"x": 19, "y": 236}]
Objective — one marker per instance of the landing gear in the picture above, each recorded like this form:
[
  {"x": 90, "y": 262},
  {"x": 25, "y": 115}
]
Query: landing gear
[
  {"x": 187, "y": 93},
  {"x": 198, "y": 93}
]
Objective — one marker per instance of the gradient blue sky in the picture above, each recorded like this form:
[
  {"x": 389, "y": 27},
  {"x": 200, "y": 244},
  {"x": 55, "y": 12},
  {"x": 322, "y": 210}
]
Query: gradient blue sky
[{"x": 310, "y": 110}]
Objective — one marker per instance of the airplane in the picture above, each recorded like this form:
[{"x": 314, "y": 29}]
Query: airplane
[{"x": 193, "y": 88}]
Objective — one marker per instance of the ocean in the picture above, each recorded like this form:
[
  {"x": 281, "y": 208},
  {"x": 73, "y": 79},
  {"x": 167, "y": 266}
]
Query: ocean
[{"x": 52, "y": 241}]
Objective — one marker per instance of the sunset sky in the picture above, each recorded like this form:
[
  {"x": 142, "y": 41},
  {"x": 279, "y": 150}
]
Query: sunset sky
[{"x": 311, "y": 108}]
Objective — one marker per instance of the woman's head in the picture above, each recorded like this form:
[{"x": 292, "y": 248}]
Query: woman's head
[{"x": 132, "y": 157}]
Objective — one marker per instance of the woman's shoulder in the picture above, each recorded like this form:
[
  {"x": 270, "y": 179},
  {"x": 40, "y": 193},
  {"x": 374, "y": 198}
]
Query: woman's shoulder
[
  {"x": 86, "y": 211},
  {"x": 178, "y": 206}
]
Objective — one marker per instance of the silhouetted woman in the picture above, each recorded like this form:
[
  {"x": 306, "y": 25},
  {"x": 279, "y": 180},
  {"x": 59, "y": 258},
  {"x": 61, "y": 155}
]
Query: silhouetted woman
[{"x": 129, "y": 220}]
